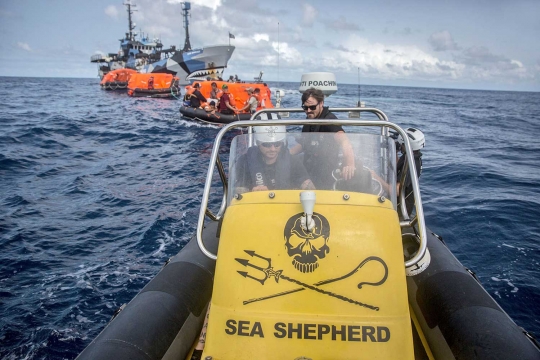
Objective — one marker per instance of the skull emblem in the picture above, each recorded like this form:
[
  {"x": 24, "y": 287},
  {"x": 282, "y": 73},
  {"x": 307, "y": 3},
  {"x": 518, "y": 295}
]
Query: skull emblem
[{"x": 307, "y": 248}]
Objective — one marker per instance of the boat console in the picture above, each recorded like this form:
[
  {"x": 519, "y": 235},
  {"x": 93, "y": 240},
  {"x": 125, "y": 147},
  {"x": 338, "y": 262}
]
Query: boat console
[{"x": 331, "y": 286}]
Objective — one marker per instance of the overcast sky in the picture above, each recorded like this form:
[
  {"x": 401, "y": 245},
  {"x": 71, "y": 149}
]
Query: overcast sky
[{"x": 481, "y": 44}]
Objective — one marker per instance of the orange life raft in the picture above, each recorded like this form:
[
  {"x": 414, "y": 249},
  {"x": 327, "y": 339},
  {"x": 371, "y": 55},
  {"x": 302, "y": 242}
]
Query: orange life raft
[
  {"x": 153, "y": 85},
  {"x": 116, "y": 79}
]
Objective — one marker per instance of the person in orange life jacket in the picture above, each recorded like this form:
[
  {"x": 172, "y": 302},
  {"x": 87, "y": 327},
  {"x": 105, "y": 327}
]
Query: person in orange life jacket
[
  {"x": 225, "y": 106},
  {"x": 321, "y": 151},
  {"x": 269, "y": 166},
  {"x": 215, "y": 93},
  {"x": 252, "y": 102},
  {"x": 196, "y": 97}
]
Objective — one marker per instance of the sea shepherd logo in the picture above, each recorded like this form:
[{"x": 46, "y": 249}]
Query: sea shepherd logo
[{"x": 305, "y": 247}]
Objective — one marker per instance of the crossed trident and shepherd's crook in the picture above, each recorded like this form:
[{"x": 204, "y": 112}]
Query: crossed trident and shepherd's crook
[{"x": 278, "y": 274}]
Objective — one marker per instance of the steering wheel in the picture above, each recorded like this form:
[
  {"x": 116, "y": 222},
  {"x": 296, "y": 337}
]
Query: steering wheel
[
  {"x": 361, "y": 182},
  {"x": 376, "y": 184}
]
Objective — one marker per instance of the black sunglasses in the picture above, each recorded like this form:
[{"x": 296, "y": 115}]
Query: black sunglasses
[
  {"x": 275, "y": 144},
  {"x": 310, "y": 107}
]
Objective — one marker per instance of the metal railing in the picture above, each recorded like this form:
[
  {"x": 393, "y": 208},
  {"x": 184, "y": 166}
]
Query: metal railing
[{"x": 383, "y": 123}]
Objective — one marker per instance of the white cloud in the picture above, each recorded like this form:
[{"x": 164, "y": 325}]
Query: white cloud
[
  {"x": 482, "y": 64},
  {"x": 212, "y": 4},
  {"x": 259, "y": 37},
  {"x": 517, "y": 63},
  {"x": 288, "y": 55},
  {"x": 442, "y": 41},
  {"x": 390, "y": 61},
  {"x": 111, "y": 11},
  {"x": 24, "y": 46},
  {"x": 310, "y": 14}
]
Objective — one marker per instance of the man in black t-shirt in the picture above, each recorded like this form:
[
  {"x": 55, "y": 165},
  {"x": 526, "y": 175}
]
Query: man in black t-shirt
[
  {"x": 269, "y": 166},
  {"x": 196, "y": 97},
  {"x": 321, "y": 151}
]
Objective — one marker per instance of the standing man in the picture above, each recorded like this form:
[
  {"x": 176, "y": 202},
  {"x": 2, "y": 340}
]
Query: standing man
[
  {"x": 321, "y": 151},
  {"x": 225, "y": 106},
  {"x": 252, "y": 102}
]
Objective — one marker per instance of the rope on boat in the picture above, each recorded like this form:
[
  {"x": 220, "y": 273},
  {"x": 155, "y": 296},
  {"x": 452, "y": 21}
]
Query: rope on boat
[{"x": 172, "y": 93}]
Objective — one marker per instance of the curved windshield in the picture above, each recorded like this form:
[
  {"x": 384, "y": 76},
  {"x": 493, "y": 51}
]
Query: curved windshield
[{"x": 349, "y": 162}]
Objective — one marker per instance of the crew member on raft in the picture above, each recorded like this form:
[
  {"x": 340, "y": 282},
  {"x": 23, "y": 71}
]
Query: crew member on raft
[
  {"x": 211, "y": 107},
  {"x": 253, "y": 102},
  {"x": 225, "y": 106},
  {"x": 321, "y": 151},
  {"x": 269, "y": 166},
  {"x": 196, "y": 97},
  {"x": 215, "y": 93}
]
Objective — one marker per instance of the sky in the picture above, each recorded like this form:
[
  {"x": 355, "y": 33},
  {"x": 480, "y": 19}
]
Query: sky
[{"x": 463, "y": 44}]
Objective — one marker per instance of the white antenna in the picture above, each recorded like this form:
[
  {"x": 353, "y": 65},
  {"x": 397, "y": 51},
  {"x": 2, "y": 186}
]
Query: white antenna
[
  {"x": 279, "y": 85},
  {"x": 359, "y": 103}
]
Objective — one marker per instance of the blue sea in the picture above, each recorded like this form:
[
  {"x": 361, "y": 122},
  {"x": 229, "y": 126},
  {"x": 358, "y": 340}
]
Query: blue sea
[{"x": 98, "y": 190}]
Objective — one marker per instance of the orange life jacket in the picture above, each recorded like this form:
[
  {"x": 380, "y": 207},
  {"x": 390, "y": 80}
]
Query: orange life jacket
[{"x": 259, "y": 99}]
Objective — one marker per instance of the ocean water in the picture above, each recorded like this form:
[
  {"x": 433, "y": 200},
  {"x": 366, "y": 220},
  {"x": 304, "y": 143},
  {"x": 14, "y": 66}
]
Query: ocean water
[{"x": 98, "y": 190}]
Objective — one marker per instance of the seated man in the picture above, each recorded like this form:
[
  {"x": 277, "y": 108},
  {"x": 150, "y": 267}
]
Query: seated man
[
  {"x": 226, "y": 105},
  {"x": 269, "y": 165},
  {"x": 196, "y": 98},
  {"x": 211, "y": 107}
]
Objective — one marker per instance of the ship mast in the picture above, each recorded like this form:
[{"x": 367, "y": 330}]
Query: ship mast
[
  {"x": 186, "y": 7},
  {"x": 131, "y": 25}
]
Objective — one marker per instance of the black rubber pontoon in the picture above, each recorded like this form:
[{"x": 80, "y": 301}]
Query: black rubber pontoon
[
  {"x": 156, "y": 93},
  {"x": 458, "y": 317},
  {"x": 166, "y": 317},
  {"x": 115, "y": 85},
  {"x": 217, "y": 118}
]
